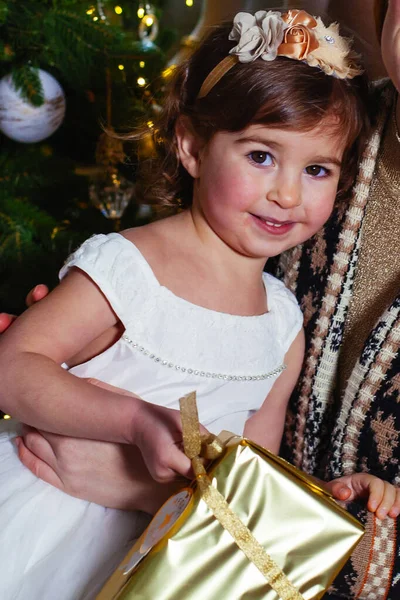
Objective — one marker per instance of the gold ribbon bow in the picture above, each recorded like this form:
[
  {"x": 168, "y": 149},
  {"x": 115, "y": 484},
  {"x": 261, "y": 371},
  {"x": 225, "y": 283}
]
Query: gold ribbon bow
[
  {"x": 197, "y": 448},
  {"x": 298, "y": 39}
]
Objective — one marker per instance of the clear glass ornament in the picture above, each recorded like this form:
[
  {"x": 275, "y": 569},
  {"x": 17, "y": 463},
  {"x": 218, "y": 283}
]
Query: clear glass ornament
[
  {"x": 111, "y": 193},
  {"x": 148, "y": 26}
]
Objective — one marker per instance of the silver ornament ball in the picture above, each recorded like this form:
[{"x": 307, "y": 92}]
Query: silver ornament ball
[{"x": 23, "y": 122}]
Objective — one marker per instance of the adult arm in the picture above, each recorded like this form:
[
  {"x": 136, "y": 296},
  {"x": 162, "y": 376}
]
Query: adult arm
[{"x": 374, "y": 567}]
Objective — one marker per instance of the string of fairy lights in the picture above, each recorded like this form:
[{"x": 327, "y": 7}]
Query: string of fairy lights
[{"x": 147, "y": 30}]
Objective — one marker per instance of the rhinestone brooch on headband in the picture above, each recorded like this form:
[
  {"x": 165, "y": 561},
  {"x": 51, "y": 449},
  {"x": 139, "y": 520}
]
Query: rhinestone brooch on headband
[{"x": 294, "y": 34}]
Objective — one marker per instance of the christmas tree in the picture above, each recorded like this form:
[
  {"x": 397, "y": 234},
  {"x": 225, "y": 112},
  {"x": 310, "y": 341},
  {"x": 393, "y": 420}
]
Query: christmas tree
[{"x": 68, "y": 70}]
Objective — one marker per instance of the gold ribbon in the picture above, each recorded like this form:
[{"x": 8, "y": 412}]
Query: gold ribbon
[{"x": 196, "y": 448}]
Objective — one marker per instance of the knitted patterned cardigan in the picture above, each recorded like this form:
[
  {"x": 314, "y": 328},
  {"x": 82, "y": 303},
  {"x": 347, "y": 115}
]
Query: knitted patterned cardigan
[{"x": 360, "y": 433}]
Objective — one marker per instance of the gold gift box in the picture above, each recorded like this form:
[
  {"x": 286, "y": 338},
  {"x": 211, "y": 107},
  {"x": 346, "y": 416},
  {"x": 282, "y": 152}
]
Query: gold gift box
[{"x": 186, "y": 554}]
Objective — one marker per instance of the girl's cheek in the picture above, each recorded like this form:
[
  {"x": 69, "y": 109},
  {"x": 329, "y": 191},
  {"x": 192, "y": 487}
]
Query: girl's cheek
[
  {"x": 322, "y": 209},
  {"x": 327, "y": 210}
]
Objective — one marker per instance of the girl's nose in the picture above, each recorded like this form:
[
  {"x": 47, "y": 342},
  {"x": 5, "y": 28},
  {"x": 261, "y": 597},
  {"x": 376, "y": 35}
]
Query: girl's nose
[{"x": 284, "y": 192}]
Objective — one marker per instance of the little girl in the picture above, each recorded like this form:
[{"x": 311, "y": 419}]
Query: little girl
[{"x": 261, "y": 130}]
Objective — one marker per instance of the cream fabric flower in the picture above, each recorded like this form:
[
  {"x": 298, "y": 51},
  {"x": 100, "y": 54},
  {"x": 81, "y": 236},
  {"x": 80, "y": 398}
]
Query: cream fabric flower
[
  {"x": 258, "y": 36},
  {"x": 333, "y": 54}
]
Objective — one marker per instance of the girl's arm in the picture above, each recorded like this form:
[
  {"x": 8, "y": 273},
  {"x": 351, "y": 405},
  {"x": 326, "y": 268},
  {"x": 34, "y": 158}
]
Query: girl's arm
[
  {"x": 36, "y": 390},
  {"x": 266, "y": 426}
]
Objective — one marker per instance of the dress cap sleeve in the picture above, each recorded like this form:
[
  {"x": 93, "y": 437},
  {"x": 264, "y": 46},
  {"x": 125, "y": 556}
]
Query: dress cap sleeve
[
  {"x": 115, "y": 266},
  {"x": 283, "y": 303}
]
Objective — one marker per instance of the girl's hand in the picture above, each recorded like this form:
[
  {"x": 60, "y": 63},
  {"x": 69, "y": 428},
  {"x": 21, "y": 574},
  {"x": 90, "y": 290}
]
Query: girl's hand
[
  {"x": 158, "y": 433},
  {"x": 383, "y": 498}
]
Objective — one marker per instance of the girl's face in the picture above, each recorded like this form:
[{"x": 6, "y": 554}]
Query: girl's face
[{"x": 264, "y": 190}]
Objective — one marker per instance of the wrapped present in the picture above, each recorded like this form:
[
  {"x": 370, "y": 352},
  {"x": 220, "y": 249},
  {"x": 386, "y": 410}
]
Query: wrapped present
[{"x": 250, "y": 527}]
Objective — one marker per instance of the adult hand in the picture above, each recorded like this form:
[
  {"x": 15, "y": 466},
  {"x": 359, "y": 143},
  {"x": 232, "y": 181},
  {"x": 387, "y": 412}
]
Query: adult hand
[
  {"x": 36, "y": 294},
  {"x": 112, "y": 475}
]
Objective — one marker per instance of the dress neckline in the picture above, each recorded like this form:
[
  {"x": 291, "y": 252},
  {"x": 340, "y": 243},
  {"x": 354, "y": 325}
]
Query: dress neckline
[{"x": 186, "y": 303}]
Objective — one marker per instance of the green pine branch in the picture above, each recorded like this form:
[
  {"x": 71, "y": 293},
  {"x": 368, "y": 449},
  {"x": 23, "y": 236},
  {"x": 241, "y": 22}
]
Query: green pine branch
[
  {"x": 26, "y": 169},
  {"x": 45, "y": 212},
  {"x": 77, "y": 44},
  {"x": 59, "y": 35},
  {"x": 26, "y": 80},
  {"x": 20, "y": 224}
]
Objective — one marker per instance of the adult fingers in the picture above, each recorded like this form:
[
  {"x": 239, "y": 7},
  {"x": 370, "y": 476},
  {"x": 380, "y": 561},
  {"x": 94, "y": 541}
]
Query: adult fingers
[
  {"x": 37, "y": 466},
  {"x": 36, "y": 294},
  {"x": 38, "y": 444},
  {"x": 5, "y": 321}
]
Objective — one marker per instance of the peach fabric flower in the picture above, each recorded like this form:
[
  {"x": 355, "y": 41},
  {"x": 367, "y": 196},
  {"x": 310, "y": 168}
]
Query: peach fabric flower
[{"x": 299, "y": 40}]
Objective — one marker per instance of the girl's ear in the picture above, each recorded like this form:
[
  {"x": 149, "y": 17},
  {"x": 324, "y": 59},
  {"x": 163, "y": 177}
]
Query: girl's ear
[{"x": 189, "y": 146}]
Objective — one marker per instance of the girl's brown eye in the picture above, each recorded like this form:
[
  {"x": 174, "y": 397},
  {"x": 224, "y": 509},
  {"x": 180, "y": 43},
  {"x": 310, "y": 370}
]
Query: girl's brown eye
[
  {"x": 316, "y": 171},
  {"x": 261, "y": 158},
  {"x": 258, "y": 157}
]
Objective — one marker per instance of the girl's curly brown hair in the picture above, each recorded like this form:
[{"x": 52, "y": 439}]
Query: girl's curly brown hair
[{"x": 282, "y": 93}]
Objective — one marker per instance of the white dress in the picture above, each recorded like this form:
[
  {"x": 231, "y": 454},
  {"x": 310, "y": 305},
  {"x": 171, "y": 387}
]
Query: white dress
[{"x": 55, "y": 547}]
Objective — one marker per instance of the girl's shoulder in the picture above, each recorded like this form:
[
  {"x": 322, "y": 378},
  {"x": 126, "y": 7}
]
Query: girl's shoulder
[
  {"x": 117, "y": 267},
  {"x": 103, "y": 253},
  {"x": 278, "y": 292},
  {"x": 147, "y": 239},
  {"x": 285, "y": 309},
  {"x": 153, "y": 237}
]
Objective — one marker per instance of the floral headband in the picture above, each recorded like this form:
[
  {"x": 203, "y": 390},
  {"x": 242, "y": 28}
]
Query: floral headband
[{"x": 294, "y": 34}]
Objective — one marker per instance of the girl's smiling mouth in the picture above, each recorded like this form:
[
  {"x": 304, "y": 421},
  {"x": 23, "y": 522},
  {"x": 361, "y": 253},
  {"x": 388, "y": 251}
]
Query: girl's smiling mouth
[{"x": 273, "y": 226}]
